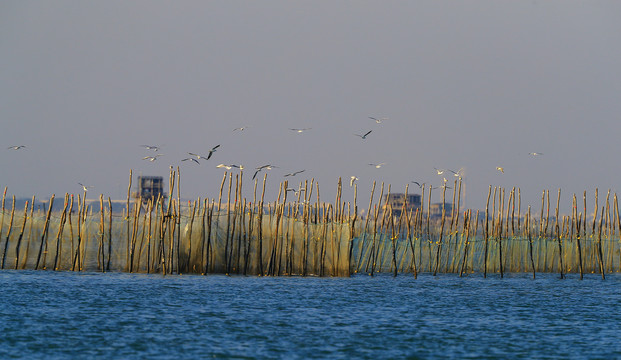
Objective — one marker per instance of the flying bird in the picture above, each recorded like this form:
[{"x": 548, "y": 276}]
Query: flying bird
[
  {"x": 501, "y": 169},
  {"x": 352, "y": 180},
  {"x": 535, "y": 153},
  {"x": 192, "y": 159},
  {"x": 379, "y": 121},
  {"x": 152, "y": 158},
  {"x": 295, "y": 173},
  {"x": 296, "y": 192},
  {"x": 417, "y": 183},
  {"x": 260, "y": 168},
  {"x": 228, "y": 167},
  {"x": 457, "y": 173},
  {"x": 84, "y": 187},
  {"x": 365, "y": 135},
  {"x": 151, "y": 147},
  {"x": 377, "y": 166},
  {"x": 439, "y": 171},
  {"x": 17, "y": 147},
  {"x": 300, "y": 130},
  {"x": 213, "y": 150},
  {"x": 241, "y": 128}
]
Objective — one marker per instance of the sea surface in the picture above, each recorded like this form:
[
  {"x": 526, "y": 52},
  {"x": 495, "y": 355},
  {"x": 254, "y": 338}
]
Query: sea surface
[{"x": 59, "y": 315}]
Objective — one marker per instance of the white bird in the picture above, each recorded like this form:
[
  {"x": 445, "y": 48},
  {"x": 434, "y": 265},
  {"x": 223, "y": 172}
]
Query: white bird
[
  {"x": 228, "y": 167},
  {"x": 457, "y": 173},
  {"x": 365, "y": 135},
  {"x": 213, "y": 150},
  {"x": 241, "y": 128},
  {"x": 151, "y": 147},
  {"x": 295, "y": 191},
  {"x": 535, "y": 153},
  {"x": 260, "y": 168},
  {"x": 84, "y": 187},
  {"x": 501, "y": 169},
  {"x": 192, "y": 159},
  {"x": 379, "y": 121},
  {"x": 377, "y": 166},
  {"x": 16, "y": 147},
  {"x": 352, "y": 180},
  {"x": 295, "y": 173},
  {"x": 300, "y": 130},
  {"x": 152, "y": 158},
  {"x": 439, "y": 171}
]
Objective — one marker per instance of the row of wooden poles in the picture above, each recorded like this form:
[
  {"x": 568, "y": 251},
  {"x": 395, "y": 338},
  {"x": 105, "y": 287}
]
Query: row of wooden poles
[{"x": 305, "y": 236}]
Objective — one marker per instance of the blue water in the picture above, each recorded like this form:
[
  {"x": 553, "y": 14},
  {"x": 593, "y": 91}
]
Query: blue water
[{"x": 51, "y": 315}]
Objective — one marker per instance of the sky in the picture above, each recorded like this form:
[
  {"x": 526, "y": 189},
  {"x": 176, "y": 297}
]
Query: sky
[{"x": 471, "y": 85}]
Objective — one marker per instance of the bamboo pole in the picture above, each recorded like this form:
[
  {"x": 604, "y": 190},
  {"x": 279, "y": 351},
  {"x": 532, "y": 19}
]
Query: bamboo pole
[
  {"x": 558, "y": 235},
  {"x": 129, "y": 191},
  {"x": 44, "y": 235},
  {"x": 101, "y": 250},
  {"x": 439, "y": 245},
  {"x": 578, "y": 225},
  {"x": 489, "y": 193},
  {"x": 63, "y": 217},
  {"x": 8, "y": 234},
  {"x": 109, "y": 233},
  {"x": 31, "y": 217},
  {"x": 530, "y": 241},
  {"x": 3, "y": 209},
  {"x": 352, "y": 228},
  {"x": 600, "y": 257},
  {"x": 260, "y": 230},
  {"x": 466, "y": 243},
  {"x": 21, "y": 234}
]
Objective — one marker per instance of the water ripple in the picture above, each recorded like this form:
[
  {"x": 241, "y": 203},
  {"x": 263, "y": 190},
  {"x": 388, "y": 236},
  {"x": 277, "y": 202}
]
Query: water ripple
[{"x": 47, "y": 315}]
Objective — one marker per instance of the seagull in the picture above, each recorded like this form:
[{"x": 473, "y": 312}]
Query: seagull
[
  {"x": 241, "y": 128},
  {"x": 501, "y": 169},
  {"x": 300, "y": 130},
  {"x": 16, "y": 147},
  {"x": 377, "y": 166},
  {"x": 295, "y": 173},
  {"x": 151, "y": 147},
  {"x": 192, "y": 159},
  {"x": 417, "y": 183},
  {"x": 266, "y": 167},
  {"x": 379, "y": 121},
  {"x": 352, "y": 180},
  {"x": 84, "y": 187},
  {"x": 152, "y": 158},
  {"x": 457, "y": 173},
  {"x": 439, "y": 171},
  {"x": 535, "y": 153},
  {"x": 228, "y": 167},
  {"x": 296, "y": 192},
  {"x": 365, "y": 135},
  {"x": 213, "y": 150}
]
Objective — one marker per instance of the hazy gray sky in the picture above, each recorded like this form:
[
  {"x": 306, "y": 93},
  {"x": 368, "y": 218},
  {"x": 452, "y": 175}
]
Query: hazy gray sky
[{"x": 472, "y": 84}]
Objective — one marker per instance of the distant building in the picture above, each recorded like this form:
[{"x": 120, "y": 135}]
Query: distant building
[
  {"x": 436, "y": 210},
  {"x": 396, "y": 201},
  {"x": 150, "y": 187}
]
